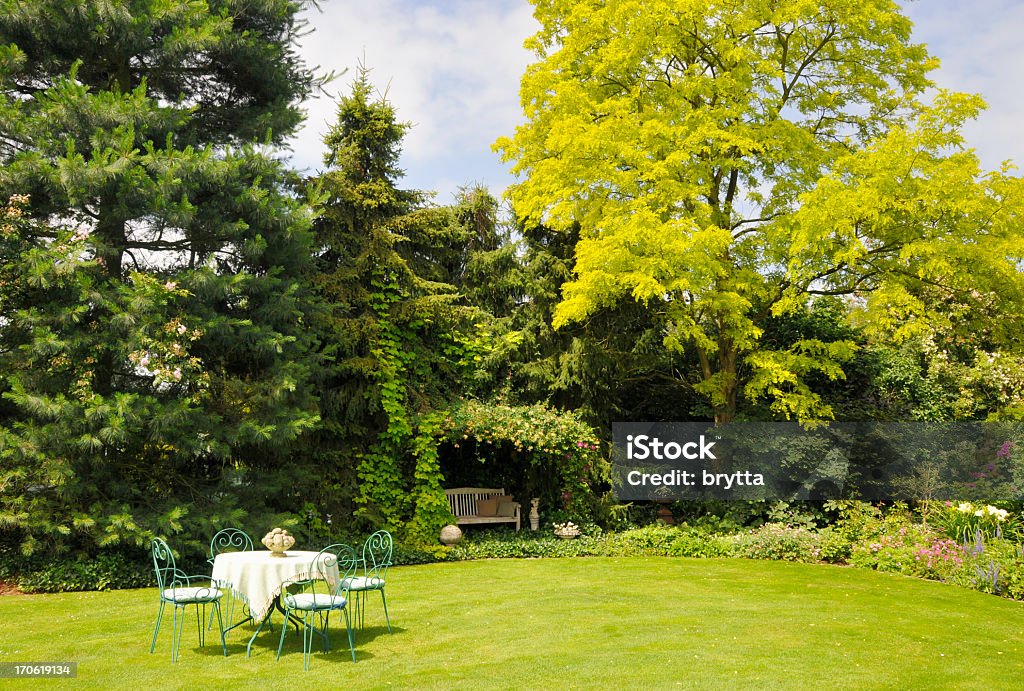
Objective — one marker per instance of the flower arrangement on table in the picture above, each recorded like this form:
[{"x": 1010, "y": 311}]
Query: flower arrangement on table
[{"x": 567, "y": 530}]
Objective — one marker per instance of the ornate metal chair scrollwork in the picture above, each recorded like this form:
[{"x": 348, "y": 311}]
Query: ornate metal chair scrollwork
[
  {"x": 376, "y": 558},
  {"x": 315, "y": 598},
  {"x": 176, "y": 588},
  {"x": 228, "y": 540}
]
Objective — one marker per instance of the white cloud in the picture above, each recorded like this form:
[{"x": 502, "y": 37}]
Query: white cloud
[
  {"x": 451, "y": 68},
  {"x": 978, "y": 43}
]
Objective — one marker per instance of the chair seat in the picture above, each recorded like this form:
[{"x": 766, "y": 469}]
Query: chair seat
[
  {"x": 314, "y": 601},
  {"x": 191, "y": 594},
  {"x": 364, "y": 583}
]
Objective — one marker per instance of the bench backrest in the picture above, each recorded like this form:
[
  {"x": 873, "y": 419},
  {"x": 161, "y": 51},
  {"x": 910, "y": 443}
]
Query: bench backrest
[{"x": 463, "y": 500}]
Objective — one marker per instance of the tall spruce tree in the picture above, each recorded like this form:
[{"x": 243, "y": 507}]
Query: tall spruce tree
[
  {"x": 151, "y": 334},
  {"x": 397, "y": 336}
]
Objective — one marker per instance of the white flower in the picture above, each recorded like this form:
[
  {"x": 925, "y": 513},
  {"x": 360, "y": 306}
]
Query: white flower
[{"x": 1000, "y": 514}]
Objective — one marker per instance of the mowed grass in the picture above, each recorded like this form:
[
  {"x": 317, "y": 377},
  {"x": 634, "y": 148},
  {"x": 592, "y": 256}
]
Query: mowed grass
[{"x": 552, "y": 623}]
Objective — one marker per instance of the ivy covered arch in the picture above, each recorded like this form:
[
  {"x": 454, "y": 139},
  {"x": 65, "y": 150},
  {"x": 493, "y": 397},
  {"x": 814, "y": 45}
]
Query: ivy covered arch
[
  {"x": 533, "y": 450},
  {"x": 548, "y": 454}
]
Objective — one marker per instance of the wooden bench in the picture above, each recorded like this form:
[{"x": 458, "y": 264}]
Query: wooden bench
[{"x": 463, "y": 504}]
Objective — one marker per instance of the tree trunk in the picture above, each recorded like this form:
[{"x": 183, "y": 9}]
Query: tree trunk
[
  {"x": 725, "y": 412},
  {"x": 112, "y": 242}
]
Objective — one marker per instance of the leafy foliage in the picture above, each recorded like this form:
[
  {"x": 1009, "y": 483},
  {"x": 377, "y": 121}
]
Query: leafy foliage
[
  {"x": 724, "y": 161},
  {"x": 152, "y": 309}
]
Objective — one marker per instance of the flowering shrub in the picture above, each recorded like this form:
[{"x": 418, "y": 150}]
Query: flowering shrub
[
  {"x": 940, "y": 552},
  {"x": 938, "y": 560},
  {"x": 779, "y": 541},
  {"x": 884, "y": 553},
  {"x": 993, "y": 565},
  {"x": 911, "y": 549},
  {"x": 965, "y": 521}
]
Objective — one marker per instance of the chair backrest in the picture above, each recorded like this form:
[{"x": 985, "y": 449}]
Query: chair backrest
[
  {"x": 346, "y": 560},
  {"x": 163, "y": 561},
  {"x": 377, "y": 554},
  {"x": 230, "y": 540}
]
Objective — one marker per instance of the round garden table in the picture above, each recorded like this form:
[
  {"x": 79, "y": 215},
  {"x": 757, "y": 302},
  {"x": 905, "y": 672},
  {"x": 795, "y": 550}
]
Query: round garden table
[{"x": 257, "y": 578}]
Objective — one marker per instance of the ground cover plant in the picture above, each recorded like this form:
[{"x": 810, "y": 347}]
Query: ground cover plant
[{"x": 622, "y": 622}]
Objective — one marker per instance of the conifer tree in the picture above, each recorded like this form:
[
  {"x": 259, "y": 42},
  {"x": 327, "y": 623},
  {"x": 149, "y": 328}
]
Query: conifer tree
[
  {"x": 152, "y": 309},
  {"x": 397, "y": 335}
]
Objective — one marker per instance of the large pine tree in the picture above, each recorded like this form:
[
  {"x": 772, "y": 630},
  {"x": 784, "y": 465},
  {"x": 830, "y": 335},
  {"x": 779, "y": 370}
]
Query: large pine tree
[{"x": 151, "y": 336}]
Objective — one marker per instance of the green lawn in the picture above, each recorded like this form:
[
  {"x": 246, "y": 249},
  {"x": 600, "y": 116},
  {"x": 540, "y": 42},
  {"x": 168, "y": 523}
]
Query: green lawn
[{"x": 639, "y": 622}]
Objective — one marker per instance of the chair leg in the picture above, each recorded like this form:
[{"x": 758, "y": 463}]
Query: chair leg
[
  {"x": 179, "y": 623},
  {"x": 325, "y": 623},
  {"x": 200, "y": 617},
  {"x": 220, "y": 623},
  {"x": 284, "y": 630},
  {"x": 385, "y": 601},
  {"x": 156, "y": 629},
  {"x": 307, "y": 639},
  {"x": 229, "y": 613},
  {"x": 351, "y": 641}
]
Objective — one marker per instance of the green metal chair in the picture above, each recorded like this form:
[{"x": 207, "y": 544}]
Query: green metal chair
[
  {"x": 228, "y": 540},
  {"x": 176, "y": 589},
  {"x": 315, "y": 599},
  {"x": 376, "y": 558}
]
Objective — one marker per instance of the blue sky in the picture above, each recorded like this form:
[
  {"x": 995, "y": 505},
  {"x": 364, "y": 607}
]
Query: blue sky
[{"x": 452, "y": 68}]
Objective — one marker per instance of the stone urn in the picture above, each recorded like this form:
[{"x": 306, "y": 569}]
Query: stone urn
[
  {"x": 534, "y": 514},
  {"x": 451, "y": 535},
  {"x": 278, "y": 541}
]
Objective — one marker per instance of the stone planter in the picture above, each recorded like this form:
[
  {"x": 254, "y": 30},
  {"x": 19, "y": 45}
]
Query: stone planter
[{"x": 278, "y": 541}]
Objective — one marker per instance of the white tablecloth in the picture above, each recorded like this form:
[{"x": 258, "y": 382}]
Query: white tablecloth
[{"x": 257, "y": 578}]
